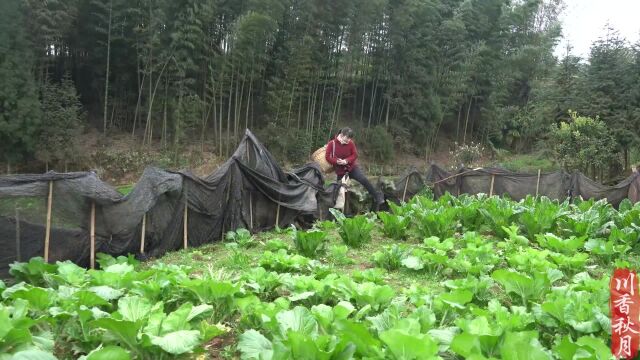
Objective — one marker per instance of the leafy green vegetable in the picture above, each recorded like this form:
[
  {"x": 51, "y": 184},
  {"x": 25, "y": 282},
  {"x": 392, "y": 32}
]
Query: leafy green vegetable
[
  {"x": 242, "y": 237},
  {"x": 390, "y": 257},
  {"x": 356, "y": 231},
  {"x": 394, "y": 226},
  {"x": 310, "y": 243}
]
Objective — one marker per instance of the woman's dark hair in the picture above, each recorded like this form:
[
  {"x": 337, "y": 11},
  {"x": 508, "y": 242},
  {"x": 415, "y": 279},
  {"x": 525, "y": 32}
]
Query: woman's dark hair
[{"x": 347, "y": 132}]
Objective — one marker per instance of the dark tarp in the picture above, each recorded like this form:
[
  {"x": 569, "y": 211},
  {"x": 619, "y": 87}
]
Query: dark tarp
[
  {"x": 555, "y": 185},
  {"x": 250, "y": 190}
]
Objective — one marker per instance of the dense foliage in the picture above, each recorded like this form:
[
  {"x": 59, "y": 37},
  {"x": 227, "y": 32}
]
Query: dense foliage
[
  {"x": 187, "y": 71},
  {"x": 490, "y": 278}
]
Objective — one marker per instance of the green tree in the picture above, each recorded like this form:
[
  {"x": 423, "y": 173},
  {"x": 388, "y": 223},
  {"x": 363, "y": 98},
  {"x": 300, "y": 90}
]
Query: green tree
[
  {"x": 609, "y": 84},
  {"x": 584, "y": 144},
  {"x": 19, "y": 105},
  {"x": 63, "y": 121}
]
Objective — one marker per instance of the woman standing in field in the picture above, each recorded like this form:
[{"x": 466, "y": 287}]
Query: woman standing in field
[{"x": 342, "y": 154}]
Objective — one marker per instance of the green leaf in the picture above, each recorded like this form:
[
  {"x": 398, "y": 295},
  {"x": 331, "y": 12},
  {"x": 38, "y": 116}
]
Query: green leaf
[
  {"x": 38, "y": 298},
  {"x": 359, "y": 335},
  {"x": 133, "y": 308},
  {"x": 208, "y": 331},
  {"x": 125, "y": 331},
  {"x": 253, "y": 345},
  {"x": 71, "y": 273},
  {"x": 299, "y": 319},
  {"x": 110, "y": 352},
  {"x": 301, "y": 296},
  {"x": 443, "y": 337},
  {"x": 522, "y": 285},
  {"x": 466, "y": 344},
  {"x": 106, "y": 292},
  {"x": 404, "y": 346},
  {"x": 595, "y": 346},
  {"x": 119, "y": 269},
  {"x": 413, "y": 263},
  {"x": 310, "y": 243},
  {"x": 33, "y": 271},
  {"x": 302, "y": 346},
  {"x": 523, "y": 346},
  {"x": 178, "y": 342},
  {"x": 342, "y": 310},
  {"x": 457, "y": 298},
  {"x": 33, "y": 355},
  {"x": 211, "y": 291},
  {"x": 44, "y": 341},
  {"x": 89, "y": 299},
  {"x": 177, "y": 320},
  {"x": 199, "y": 310},
  {"x": 566, "y": 349},
  {"x": 16, "y": 337},
  {"x": 155, "y": 319},
  {"x": 480, "y": 327},
  {"x": 5, "y": 320}
]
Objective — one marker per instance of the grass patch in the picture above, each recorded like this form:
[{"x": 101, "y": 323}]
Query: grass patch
[
  {"x": 528, "y": 163},
  {"x": 125, "y": 189}
]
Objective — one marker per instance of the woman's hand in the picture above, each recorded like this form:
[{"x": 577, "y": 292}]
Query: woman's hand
[{"x": 341, "y": 162}]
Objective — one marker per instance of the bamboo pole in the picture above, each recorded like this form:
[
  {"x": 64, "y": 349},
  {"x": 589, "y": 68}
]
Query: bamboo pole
[
  {"x": 18, "y": 252},
  {"x": 493, "y": 178},
  {"x": 93, "y": 235},
  {"x": 47, "y": 234},
  {"x": 406, "y": 184},
  {"x": 142, "y": 233},
  {"x": 185, "y": 227},
  {"x": 538, "y": 183},
  {"x": 251, "y": 210}
]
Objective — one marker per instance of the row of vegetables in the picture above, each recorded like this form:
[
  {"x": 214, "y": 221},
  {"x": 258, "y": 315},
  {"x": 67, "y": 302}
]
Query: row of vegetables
[{"x": 490, "y": 278}]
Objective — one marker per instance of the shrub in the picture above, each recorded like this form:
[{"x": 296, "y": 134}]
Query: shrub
[
  {"x": 583, "y": 142},
  {"x": 466, "y": 154},
  {"x": 378, "y": 144}
]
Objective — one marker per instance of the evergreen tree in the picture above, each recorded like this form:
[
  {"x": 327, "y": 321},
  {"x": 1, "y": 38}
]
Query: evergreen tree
[
  {"x": 19, "y": 105},
  {"x": 63, "y": 120}
]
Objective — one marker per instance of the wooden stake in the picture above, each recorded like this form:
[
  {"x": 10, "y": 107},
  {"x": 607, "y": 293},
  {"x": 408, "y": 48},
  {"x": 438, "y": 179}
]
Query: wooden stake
[
  {"x": 538, "y": 183},
  {"x": 18, "y": 255},
  {"x": 142, "y": 233},
  {"x": 346, "y": 202},
  {"x": 185, "y": 227},
  {"x": 493, "y": 178},
  {"x": 92, "y": 235},
  {"x": 251, "y": 210},
  {"x": 404, "y": 193},
  {"x": 47, "y": 234},
  {"x": 278, "y": 217}
]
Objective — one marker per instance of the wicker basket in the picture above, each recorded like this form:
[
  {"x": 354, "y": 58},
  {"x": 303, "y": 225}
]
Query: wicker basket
[{"x": 319, "y": 157}]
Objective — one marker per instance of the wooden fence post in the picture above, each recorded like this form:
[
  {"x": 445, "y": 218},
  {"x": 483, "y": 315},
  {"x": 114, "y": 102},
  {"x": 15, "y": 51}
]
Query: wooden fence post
[
  {"x": 493, "y": 178},
  {"x": 92, "y": 235},
  {"x": 251, "y": 210},
  {"x": 185, "y": 227},
  {"x": 47, "y": 234},
  {"x": 538, "y": 183},
  {"x": 404, "y": 193},
  {"x": 18, "y": 252},
  {"x": 142, "y": 233}
]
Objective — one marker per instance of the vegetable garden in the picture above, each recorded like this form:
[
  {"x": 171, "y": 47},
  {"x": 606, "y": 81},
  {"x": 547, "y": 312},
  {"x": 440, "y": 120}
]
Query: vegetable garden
[{"x": 473, "y": 277}]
